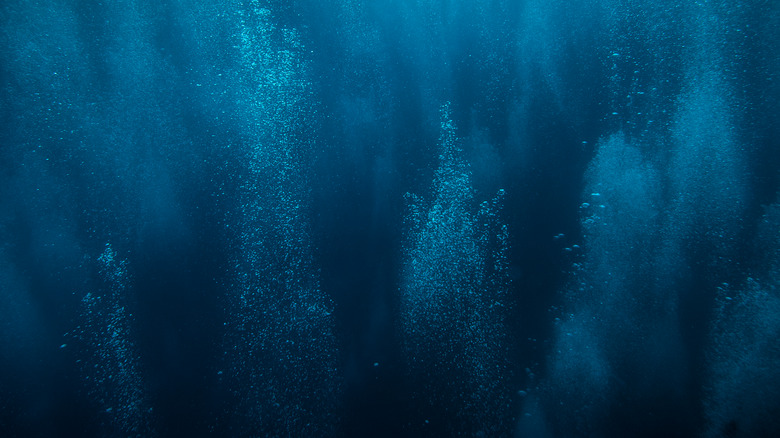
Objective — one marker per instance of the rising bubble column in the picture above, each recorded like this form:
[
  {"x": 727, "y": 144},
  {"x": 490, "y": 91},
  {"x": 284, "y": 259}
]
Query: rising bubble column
[{"x": 453, "y": 296}]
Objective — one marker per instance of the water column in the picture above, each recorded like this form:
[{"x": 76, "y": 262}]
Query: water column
[
  {"x": 453, "y": 296},
  {"x": 110, "y": 363},
  {"x": 662, "y": 212},
  {"x": 279, "y": 346}
]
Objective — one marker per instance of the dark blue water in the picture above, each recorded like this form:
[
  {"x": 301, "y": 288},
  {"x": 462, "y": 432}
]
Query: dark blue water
[{"x": 403, "y": 218}]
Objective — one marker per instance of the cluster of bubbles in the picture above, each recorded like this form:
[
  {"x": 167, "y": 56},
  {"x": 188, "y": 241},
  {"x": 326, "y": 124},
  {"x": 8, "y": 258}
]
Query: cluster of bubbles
[
  {"x": 662, "y": 211},
  {"x": 453, "y": 295},
  {"x": 620, "y": 309},
  {"x": 279, "y": 345},
  {"x": 743, "y": 382},
  {"x": 110, "y": 365}
]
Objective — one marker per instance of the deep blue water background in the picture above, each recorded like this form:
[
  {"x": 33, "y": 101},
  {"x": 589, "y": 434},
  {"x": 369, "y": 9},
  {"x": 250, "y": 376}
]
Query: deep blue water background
[{"x": 266, "y": 218}]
